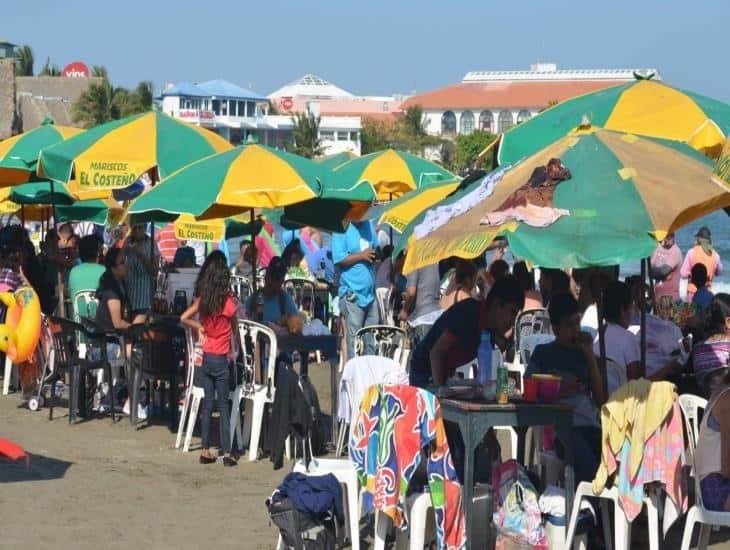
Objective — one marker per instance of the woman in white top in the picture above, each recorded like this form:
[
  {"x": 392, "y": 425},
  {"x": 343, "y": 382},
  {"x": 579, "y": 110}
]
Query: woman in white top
[{"x": 712, "y": 455}]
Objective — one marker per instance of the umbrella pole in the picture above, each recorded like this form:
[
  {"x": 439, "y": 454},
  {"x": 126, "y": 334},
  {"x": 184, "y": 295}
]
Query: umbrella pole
[
  {"x": 59, "y": 281},
  {"x": 254, "y": 282},
  {"x": 602, "y": 338},
  {"x": 643, "y": 318}
]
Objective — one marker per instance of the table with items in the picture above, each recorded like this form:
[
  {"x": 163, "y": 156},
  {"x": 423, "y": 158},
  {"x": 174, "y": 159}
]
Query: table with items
[{"x": 476, "y": 417}]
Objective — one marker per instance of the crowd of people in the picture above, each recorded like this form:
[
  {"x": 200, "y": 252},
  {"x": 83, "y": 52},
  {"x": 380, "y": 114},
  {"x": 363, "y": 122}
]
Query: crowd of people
[{"x": 446, "y": 308}]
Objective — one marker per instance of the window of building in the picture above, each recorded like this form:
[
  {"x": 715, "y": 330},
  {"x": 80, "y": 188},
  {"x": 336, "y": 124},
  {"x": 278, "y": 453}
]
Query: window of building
[
  {"x": 486, "y": 121},
  {"x": 505, "y": 121},
  {"x": 232, "y": 108},
  {"x": 522, "y": 116},
  {"x": 250, "y": 109},
  {"x": 241, "y": 105},
  {"x": 448, "y": 123},
  {"x": 467, "y": 122},
  {"x": 343, "y": 136},
  {"x": 353, "y": 136},
  {"x": 327, "y": 135},
  {"x": 224, "y": 108},
  {"x": 217, "y": 106}
]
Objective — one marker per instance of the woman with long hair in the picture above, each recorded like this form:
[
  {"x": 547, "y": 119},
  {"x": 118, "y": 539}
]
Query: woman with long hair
[
  {"x": 462, "y": 284},
  {"x": 216, "y": 310}
]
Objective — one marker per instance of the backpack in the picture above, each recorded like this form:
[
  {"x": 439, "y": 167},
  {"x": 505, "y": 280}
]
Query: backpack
[{"x": 318, "y": 431}]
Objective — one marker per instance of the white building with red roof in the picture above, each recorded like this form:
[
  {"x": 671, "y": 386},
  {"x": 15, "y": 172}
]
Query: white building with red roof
[{"x": 497, "y": 100}]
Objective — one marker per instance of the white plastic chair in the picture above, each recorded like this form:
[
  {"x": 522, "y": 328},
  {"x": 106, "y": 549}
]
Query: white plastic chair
[
  {"x": 254, "y": 336},
  {"x": 622, "y": 527},
  {"x": 241, "y": 287},
  {"x": 193, "y": 396},
  {"x": 387, "y": 373},
  {"x": 532, "y": 321},
  {"x": 10, "y": 374},
  {"x": 418, "y": 505},
  {"x": 85, "y": 304},
  {"x": 303, "y": 293},
  {"x": 346, "y": 474},
  {"x": 691, "y": 406},
  {"x": 385, "y": 307},
  {"x": 388, "y": 341},
  {"x": 529, "y": 342},
  {"x": 706, "y": 518}
]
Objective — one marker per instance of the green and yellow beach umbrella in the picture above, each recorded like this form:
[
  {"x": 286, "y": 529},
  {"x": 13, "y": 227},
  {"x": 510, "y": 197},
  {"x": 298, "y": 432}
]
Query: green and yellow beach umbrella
[
  {"x": 643, "y": 107},
  {"x": 252, "y": 177},
  {"x": 722, "y": 170},
  {"x": 625, "y": 193},
  {"x": 338, "y": 159},
  {"x": 391, "y": 173},
  {"x": 188, "y": 228},
  {"x": 115, "y": 154},
  {"x": 399, "y": 213},
  {"x": 19, "y": 154},
  {"x": 33, "y": 201}
]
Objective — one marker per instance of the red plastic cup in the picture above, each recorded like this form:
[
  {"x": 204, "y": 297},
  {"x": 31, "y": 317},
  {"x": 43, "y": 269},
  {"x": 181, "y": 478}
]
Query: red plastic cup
[{"x": 529, "y": 389}]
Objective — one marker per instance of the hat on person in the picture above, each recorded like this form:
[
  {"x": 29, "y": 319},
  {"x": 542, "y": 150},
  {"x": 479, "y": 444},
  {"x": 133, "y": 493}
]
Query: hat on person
[{"x": 704, "y": 233}]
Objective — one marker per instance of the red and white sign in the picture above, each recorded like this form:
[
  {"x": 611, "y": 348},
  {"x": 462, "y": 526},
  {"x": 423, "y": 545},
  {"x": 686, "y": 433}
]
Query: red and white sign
[
  {"x": 196, "y": 114},
  {"x": 77, "y": 69},
  {"x": 287, "y": 103}
]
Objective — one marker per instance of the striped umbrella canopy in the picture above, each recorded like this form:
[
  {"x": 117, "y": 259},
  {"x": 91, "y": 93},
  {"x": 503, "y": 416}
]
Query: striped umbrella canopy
[
  {"x": 254, "y": 177},
  {"x": 213, "y": 231},
  {"x": 643, "y": 107},
  {"x": 333, "y": 161},
  {"x": 722, "y": 170},
  {"x": 623, "y": 194},
  {"x": 19, "y": 154},
  {"x": 115, "y": 154},
  {"x": 391, "y": 173},
  {"x": 33, "y": 201},
  {"x": 399, "y": 213}
]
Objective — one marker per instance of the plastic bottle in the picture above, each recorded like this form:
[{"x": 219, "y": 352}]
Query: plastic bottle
[{"x": 484, "y": 359}]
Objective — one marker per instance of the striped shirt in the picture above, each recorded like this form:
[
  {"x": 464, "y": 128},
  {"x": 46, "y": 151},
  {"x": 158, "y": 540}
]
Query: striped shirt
[
  {"x": 167, "y": 242},
  {"x": 139, "y": 280},
  {"x": 710, "y": 355}
]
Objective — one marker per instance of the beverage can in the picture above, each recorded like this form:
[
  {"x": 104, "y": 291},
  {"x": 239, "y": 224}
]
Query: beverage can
[{"x": 502, "y": 385}]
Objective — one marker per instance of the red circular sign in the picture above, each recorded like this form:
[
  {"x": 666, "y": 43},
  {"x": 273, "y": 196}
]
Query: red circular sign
[
  {"x": 287, "y": 103},
  {"x": 77, "y": 69}
]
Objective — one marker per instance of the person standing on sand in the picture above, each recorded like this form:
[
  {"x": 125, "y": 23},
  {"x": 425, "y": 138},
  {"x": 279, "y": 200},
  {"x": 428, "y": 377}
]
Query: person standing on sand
[
  {"x": 702, "y": 253},
  {"x": 217, "y": 311},
  {"x": 665, "y": 263}
]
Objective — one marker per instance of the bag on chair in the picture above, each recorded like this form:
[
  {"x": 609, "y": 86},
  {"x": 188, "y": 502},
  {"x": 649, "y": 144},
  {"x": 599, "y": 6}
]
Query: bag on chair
[{"x": 299, "y": 530}]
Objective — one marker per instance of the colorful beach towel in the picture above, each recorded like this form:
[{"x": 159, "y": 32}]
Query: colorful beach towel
[{"x": 395, "y": 422}]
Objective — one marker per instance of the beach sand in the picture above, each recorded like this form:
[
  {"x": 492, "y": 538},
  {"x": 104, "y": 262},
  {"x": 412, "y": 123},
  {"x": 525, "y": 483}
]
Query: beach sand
[{"x": 97, "y": 485}]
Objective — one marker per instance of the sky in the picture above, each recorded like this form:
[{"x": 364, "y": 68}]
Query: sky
[{"x": 374, "y": 46}]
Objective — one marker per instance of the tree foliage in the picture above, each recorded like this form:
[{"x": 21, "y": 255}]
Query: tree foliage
[
  {"x": 306, "y": 135},
  {"x": 103, "y": 102},
  {"x": 24, "y": 61},
  {"x": 407, "y": 133},
  {"x": 468, "y": 147},
  {"x": 49, "y": 69}
]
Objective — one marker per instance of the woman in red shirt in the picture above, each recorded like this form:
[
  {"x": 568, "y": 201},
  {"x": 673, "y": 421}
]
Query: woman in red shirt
[{"x": 217, "y": 316}]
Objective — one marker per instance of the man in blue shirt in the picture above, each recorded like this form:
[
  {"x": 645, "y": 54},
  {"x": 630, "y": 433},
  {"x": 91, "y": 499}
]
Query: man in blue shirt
[{"x": 354, "y": 253}]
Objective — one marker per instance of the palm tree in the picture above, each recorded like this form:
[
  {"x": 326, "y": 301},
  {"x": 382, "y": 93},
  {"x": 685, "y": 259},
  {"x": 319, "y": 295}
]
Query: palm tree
[
  {"x": 306, "y": 135},
  {"x": 411, "y": 131},
  {"x": 103, "y": 102},
  {"x": 50, "y": 69},
  {"x": 24, "y": 61}
]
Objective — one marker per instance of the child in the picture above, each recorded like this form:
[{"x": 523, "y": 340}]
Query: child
[
  {"x": 702, "y": 297},
  {"x": 216, "y": 308}
]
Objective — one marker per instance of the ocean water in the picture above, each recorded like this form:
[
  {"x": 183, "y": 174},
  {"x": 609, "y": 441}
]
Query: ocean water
[{"x": 719, "y": 224}]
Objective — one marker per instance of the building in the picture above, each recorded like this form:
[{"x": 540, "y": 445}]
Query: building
[
  {"x": 240, "y": 115},
  {"x": 7, "y": 49},
  {"x": 495, "y": 101}
]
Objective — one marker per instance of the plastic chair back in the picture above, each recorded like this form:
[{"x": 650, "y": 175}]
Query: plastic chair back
[
  {"x": 157, "y": 348},
  {"x": 303, "y": 292},
  {"x": 385, "y": 306},
  {"x": 388, "y": 341},
  {"x": 241, "y": 287},
  {"x": 255, "y": 336},
  {"x": 532, "y": 321},
  {"x": 529, "y": 342},
  {"x": 692, "y": 406}
]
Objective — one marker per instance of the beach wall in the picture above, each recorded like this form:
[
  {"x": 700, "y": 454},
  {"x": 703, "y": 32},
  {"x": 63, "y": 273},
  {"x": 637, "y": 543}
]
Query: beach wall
[{"x": 8, "y": 113}]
